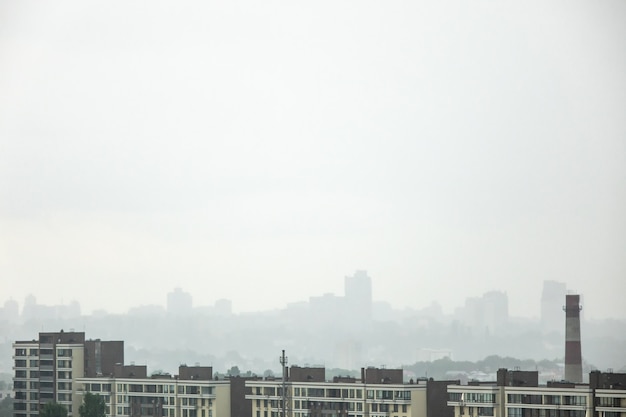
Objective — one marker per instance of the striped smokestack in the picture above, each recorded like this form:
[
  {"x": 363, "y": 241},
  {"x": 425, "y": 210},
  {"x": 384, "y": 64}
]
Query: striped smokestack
[{"x": 573, "y": 357}]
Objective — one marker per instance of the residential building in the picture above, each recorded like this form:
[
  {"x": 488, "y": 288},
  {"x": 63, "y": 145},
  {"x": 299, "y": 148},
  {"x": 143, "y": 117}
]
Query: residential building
[
  {"x": 518, "y": 394},
  {"x": 130, "y": 392},
  {"x": 378, "y": 393},
  {"x": 46, "y": 369},
  {"x": 610, "y": 393}
]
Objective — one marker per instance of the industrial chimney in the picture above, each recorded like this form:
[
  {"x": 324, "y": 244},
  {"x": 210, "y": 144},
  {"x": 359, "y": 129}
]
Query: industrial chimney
[{"x": 573, "y": 357}]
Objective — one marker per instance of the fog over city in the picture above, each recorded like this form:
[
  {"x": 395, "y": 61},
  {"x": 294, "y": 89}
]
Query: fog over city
[
  {"x": 262, "y": 151},
  {"x": 343, "y": 331}
]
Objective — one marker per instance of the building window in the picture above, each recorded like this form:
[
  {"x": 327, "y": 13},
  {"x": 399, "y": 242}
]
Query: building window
[
  {"x": 515, "y": 412},
  {"x": 574, "y": 400},
  {"x": 485, "y": 411},
  {"x": 64, "y": 353},
  {"x": 514, "y": 398}
]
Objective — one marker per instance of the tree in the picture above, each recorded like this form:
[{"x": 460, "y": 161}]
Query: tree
[
  {"x": 92, "y": 406},
  {"x": 6, "y": 407},
  {"x": 234, "y": 371},
  {"x": 53, "y": 409}
]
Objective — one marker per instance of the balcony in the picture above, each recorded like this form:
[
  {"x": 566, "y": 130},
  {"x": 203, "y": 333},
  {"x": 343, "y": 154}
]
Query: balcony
[{"x": 46, "y": 388}]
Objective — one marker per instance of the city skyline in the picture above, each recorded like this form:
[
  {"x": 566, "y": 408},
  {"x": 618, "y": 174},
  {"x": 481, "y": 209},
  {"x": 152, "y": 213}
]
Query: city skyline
[{"x": 186, "y": 302}]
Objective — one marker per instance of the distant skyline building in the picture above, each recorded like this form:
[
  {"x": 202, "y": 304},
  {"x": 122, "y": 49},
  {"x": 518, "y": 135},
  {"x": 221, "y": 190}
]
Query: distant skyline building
[
  {"x": 488, "y": 313},
  {"x": 348, "y": 354},
  {"x": 551, "y": 306},
  {"x": 223, "y": 307},
  {"x": 179, "y": 302},
  {"x": 495, "y": 310},
  {"x": 10, "y": 312},
  {"x": 358, "y": 295},
  {"x": 33, "y": 310}
]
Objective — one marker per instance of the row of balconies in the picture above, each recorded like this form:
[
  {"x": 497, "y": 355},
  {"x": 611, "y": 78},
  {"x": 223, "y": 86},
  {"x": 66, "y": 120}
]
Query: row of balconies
[
  {"x": 548, "y": 406},
  {"x": 471, "y": 404},
  {"x": 611, "y": 409},
  {"x": 332, "y": 399},
  {"x": 160, "y": 394}
]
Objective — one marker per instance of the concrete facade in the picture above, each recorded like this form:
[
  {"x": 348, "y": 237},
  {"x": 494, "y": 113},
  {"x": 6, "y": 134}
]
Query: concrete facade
[
  {"x": 192, "y": 393},
  {"x": 516, "y": 394},
  {"x": 46, "y": 369},
  {"x": 342, "y": 397}
]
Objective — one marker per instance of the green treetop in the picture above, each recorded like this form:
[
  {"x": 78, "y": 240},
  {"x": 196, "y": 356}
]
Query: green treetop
[
  {"x": 53, "y": 409},
  {"x": 92, "y": 406}
]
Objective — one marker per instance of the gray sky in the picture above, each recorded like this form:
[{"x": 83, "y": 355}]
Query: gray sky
[{"x": 262, "y": 150}]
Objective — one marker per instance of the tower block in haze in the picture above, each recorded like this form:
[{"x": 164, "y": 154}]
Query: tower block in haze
[
  {"x": 358, "y": 296},
  {"x": 573, "y": 356}
]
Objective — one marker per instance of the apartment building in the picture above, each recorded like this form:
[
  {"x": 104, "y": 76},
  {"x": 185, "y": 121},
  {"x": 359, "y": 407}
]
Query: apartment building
[
  {"x": 378, "y": 393},
  {"x": 610, "y": 393},
  {"x": 517, "y": 394},
  {"x": 129, "y": 392},
  {"x": 46, "y": 369}
]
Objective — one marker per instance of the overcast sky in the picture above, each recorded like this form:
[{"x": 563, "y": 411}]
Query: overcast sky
[{"x": 262, "y": 150}]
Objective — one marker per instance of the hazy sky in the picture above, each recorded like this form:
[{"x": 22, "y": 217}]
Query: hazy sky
[{"x": 262, "y": 150}]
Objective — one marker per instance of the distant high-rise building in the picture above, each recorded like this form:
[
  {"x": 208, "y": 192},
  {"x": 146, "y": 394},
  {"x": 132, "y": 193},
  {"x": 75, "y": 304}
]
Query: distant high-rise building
[
  {"x": 11, "y": 311},
  {"x": 348, "y": 354},
  {"x": 179, "y": 302},
  {"x": 358, "y": 296},
  {"x": 495, "y": 305},
  {"x": 488, "y": 313},
  {"x": 551, "y": 304},
  {"x": 223, "y": 307}
]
